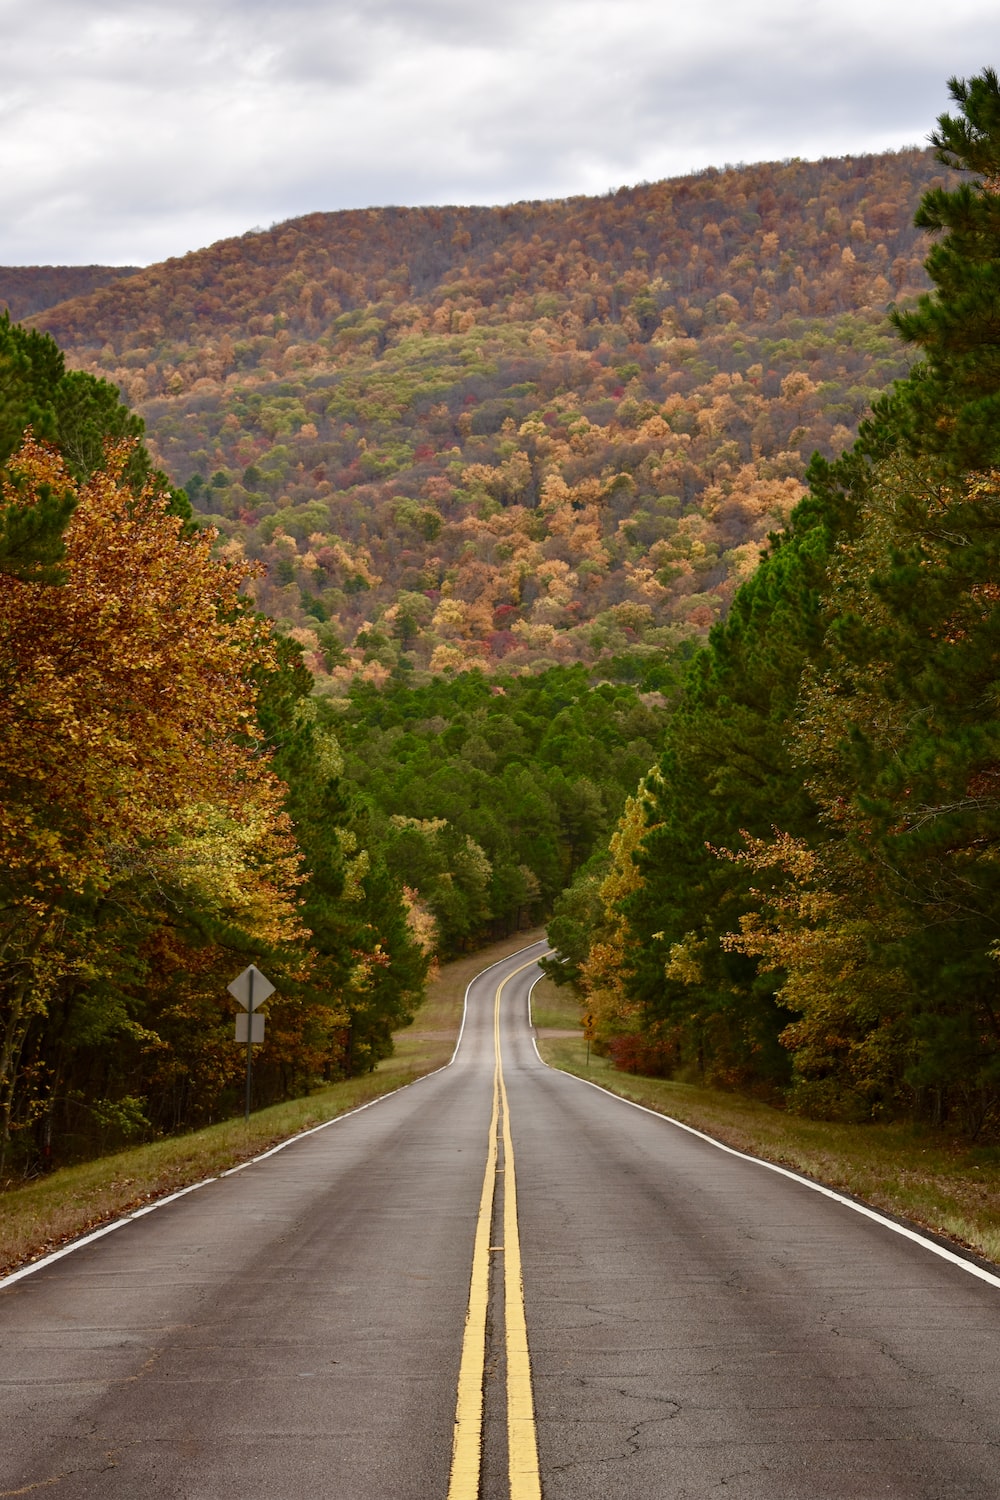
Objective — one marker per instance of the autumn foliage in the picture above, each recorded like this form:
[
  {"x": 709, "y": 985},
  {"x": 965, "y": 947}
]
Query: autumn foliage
[
  {"x": 146, "y": 843},
  {"x": 809, "y": 909},
  {"x": 126, "y": 691},
  {"x": 125, "y": 757},
  {"x": 547, "y": 433}
]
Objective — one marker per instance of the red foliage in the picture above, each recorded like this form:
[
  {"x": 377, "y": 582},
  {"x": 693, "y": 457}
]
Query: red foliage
[{"x": 639, "y": 1054}]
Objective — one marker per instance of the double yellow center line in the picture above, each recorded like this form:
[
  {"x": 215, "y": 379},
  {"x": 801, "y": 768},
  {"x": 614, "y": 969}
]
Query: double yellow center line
[{"x": 522, "y": 1443}]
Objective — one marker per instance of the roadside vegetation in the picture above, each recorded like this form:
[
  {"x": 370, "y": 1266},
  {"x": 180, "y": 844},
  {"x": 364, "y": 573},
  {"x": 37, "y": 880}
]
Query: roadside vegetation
[
  {"x": 170, "y": 805},
  {"x": 802, "y": 901},
  {"x": 937, "y": 1180},
  {"x": 48, "y": 1212}
]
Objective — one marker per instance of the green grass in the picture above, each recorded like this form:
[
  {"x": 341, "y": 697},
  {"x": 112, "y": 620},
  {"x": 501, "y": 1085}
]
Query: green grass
[
  {"x": 46, "y": 1213},
  {"x": 936, "y": 1180},
  {"x": 554, "y": 1007}
]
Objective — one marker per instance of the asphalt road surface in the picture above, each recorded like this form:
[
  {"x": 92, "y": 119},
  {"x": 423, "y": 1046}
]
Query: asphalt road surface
[{"x": 698, "y": 1325}]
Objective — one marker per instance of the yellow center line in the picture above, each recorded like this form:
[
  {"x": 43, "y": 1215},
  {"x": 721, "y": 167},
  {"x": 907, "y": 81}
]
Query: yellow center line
[
  {"x": 522, "y": 1445},
  {"x": 467, "y": 1447},
  {"x": 522, "y": 1442}
]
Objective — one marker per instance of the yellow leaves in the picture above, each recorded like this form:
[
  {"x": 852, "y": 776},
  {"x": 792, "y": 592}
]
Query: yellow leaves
[
  {"x": 130, "y": 691},
  {"x": 624, "y": 877},
  {"x": 447, "y": 658},
  {"x": 684, "y": 965},
  {"x": 533, "y": 633},
  {"x": 242, "y": 869},
  {"x": 790, "y": 856},
  {"x": 357, "y": 863},
  {"x": 449, "y": 617},
  {"x": 423, "y": 825},
  {"x": 604, "y": 968},
  {"x": 420, "y": 920}
]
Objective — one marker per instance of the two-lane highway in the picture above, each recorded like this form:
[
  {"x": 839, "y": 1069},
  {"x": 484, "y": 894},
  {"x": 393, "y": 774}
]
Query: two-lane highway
[{"x": 314, "y": 1324}]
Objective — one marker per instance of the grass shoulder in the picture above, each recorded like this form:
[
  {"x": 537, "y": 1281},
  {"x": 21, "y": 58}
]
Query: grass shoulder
[
  {"x": 49, "y": 1212},
  {"x": 937, "y": 1181}
]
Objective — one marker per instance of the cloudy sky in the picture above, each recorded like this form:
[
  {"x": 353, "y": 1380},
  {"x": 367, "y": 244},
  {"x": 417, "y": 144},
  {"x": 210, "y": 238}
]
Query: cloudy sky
[{"x": 135, "y": 129}]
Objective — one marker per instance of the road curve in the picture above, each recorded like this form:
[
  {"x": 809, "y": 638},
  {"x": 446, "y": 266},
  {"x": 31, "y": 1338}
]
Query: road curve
[{"x": 698, "y": 1326}]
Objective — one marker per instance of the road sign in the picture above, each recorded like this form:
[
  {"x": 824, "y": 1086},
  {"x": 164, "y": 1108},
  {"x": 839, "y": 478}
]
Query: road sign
[{"x": 251, "y": 988}]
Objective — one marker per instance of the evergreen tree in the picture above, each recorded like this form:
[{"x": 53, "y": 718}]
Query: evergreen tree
[
  {"x": 951, "y": 402},
  {"x": 726, "y": 770},
  {"x": 78, "y": 414},
  {"x": 910, "y": 754},
  {"x": 844, "y": 719},
  {"x": 366, "y": 961}
]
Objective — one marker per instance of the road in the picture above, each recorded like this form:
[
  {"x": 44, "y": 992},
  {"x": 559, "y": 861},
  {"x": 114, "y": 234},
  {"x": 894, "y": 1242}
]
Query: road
[{"x": 698, "y": 1325}]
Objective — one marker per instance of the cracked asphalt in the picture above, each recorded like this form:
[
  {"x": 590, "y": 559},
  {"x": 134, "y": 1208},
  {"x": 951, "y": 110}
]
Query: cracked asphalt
[{"x": 699, "y": 1326}]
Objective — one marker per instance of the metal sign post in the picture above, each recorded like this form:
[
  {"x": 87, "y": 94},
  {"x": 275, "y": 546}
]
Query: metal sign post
[
  {"x": 250, "y": 1018},
  {"x": 250, "y": 989}
]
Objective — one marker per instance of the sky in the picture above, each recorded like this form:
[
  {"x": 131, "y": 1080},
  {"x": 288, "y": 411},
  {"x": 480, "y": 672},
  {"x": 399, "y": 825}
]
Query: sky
[{"x": 131, "y": 130}]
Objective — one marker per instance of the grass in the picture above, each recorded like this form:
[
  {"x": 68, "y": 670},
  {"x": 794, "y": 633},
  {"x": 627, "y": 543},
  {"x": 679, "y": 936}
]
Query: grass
[
  {"x": 47, "y": 1213},
  {"x": 936, "y": 1180},
  {"x": 933, "y": 1179}
]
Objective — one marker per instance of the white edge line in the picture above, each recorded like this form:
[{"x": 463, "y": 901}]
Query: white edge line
[
  {"x": 817, "y": 1187},
  {"x": 531, "y": 990},
  {"x": 148, "y": 1208},
  {"x": 47, "y": 1260},
  {"x": 468, "y": 987}
]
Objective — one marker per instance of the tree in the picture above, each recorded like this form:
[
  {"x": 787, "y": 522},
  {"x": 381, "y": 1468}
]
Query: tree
[
  {"x": 726, "y": 768},
  {"x": 74, "y": 411},
  {"x": 951, "y": 403},
  {"x": 133, "y": 798},
  {"x": 367, "y": 968}
]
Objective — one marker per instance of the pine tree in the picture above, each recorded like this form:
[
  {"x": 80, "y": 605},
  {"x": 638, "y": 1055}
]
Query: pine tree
[
  {"x": 951, "y": 402},
  {"x": 80, "y": 416},
  {"x": 726, "y": 771},
  {"x": 366, "y": 966}
]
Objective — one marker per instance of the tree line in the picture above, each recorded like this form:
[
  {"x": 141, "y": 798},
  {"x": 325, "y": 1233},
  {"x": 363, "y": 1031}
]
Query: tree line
[
  {"x": 487, "y": 794},
  {"x": 170, "y": 804},
  {"x": 801, "y": 899}
]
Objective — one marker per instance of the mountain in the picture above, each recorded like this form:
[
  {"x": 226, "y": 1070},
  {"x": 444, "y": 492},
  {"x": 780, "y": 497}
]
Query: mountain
[
  {"x": 549, "y": 432},
  {"x": 31, "y": 289}
]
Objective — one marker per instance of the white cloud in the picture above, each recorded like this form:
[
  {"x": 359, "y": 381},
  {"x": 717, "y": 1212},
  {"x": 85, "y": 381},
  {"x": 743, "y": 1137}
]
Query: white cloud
[{"x": 131, "y": 131}]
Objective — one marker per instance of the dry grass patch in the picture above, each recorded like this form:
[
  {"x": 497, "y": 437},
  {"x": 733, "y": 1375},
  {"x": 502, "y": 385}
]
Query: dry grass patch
[
  {"x": 44, "y": 1214},
  {"x": 935, "y": 1180},
  {"x": 555, "y": 1008}
]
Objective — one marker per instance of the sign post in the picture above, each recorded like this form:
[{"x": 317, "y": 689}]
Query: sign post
[{"x": 250, "y": 989}]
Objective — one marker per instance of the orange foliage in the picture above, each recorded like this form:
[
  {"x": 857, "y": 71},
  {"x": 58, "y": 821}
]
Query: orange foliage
[
  {"x": 437, "y": 401},
  {"x": 127, "y": 699}
]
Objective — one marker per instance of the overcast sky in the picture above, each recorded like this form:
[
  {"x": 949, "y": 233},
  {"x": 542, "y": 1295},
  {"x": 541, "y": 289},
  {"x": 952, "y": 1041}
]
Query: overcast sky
[{"x": 137, "y": 129}]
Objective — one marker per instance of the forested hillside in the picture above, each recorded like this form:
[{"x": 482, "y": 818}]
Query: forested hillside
[
  {"x": 802, "y": 898},
  {"x": 550, "y": 433},
  {"x": 30, "y": 289}
]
